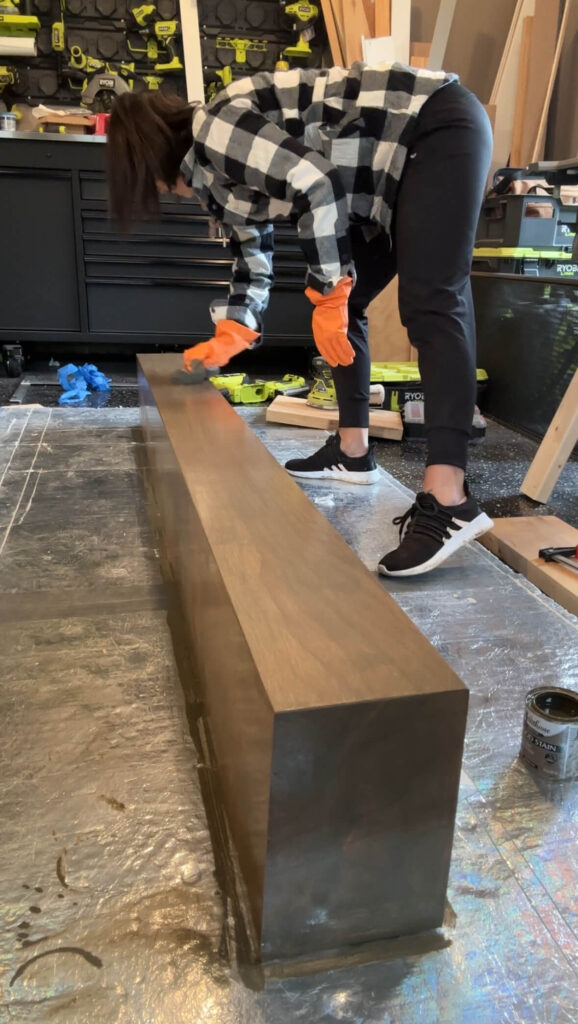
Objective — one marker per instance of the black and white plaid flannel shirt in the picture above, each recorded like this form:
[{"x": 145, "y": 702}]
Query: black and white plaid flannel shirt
[{"x": 321, "y": 148}]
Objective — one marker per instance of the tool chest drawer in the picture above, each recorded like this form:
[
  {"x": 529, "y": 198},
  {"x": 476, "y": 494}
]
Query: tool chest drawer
[
  {"x": 132, "y": 306},
  {"x": 150, "y": 270}
]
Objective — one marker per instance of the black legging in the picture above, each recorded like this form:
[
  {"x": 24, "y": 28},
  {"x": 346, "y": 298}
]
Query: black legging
[{"x": 435, "y": 220}]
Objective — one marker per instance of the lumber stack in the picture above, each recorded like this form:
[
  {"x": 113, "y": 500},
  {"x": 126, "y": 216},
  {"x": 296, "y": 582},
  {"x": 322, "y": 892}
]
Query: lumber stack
[
  {"x": 508, "y": 53},
  {"x": 334, "y": 728}
]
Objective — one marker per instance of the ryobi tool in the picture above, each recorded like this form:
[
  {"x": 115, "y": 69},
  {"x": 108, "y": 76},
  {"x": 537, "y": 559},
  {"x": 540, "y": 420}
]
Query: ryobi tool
[
  {"x": 240, "y": 390},
  {"x": 159, "y": 38},
  {"x": 323, "y": 394},
  {"x": 13, "y": 23},
  {"x": 303, "y": 16},
  {"x": 8, "y": 78},
  {"x": 97, "y": 80},
  {"x": 241, "y": 46}
]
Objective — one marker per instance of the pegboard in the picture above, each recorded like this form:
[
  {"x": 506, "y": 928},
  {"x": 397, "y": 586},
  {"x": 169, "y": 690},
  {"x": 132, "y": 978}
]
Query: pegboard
[
  {"x": 104, "y": 31},
  {"x": 242, "y": 37}
]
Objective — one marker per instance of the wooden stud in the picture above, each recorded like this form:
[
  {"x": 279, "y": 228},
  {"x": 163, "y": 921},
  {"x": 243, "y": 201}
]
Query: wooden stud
[
  {"x": 332, "y": 33},
  {"x": 517, "y": 542},
  {"x": 294, "y": 411},
  {"x": 521, "y": 93},
  {"x": 555, "y": 449}
]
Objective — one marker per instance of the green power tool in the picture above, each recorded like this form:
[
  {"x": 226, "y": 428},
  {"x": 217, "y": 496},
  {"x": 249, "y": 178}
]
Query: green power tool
[
  {"x": 303, "y": 15},
  {"x": 13, "y": 23},
  {"x": 159, "y": 38}
]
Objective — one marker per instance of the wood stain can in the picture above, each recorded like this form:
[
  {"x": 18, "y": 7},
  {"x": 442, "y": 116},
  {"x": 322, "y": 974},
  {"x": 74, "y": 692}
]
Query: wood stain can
[{"x": 550, "y": 734}]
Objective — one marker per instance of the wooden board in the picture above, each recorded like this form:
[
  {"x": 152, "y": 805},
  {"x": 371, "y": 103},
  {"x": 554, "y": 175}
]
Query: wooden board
[
  {"x": 555, "y": 449},
  {"x": 382, "y": 18},
  {"x": 355, "y": 27},
  {"x": 369, "y": 8},
  {"x": 388, "y": 339},
  {"x": 318, "y": 722},
  {"x": 521, "y": 92},
  {"x": 540, "y": 62},
  {"x": 512, "y": 30},
  {"x": 295, "y": 411},
  {"x": 332, "y": 33},
  {"x": 538, "y": 150},
  {"x": 517, "y": 542}
]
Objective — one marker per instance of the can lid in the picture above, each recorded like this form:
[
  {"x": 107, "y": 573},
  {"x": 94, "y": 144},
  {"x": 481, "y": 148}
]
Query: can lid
[{"x": 554, "y": 702}]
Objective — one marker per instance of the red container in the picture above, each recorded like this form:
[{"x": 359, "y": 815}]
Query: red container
[{"x": 101, "y": 124}]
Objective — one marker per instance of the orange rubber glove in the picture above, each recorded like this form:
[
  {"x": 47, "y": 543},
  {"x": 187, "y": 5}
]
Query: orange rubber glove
[
  {"x": 330, "y": 318},
  {"x": 230, "y": 339}
]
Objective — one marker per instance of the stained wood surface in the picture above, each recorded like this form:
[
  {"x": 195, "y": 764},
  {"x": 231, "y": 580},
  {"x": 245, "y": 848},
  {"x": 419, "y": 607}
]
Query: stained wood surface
[
  {"x": 318, "y": 694},
  {"x": 555, "y": 448},
  {"x": 295, "y": 412},
  {"x": 261, "y": 528},
  {"x": 517, "y": 542}
]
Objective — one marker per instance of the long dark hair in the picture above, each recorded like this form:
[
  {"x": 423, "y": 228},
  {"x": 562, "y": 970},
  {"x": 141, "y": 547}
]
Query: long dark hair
[{"x": 148, "y": 136}]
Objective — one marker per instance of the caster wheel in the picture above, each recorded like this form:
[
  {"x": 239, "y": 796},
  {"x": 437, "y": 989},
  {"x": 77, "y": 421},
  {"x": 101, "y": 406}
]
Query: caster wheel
[{"x": 14, "y": 367}]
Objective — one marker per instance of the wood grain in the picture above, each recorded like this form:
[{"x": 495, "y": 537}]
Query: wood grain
[
  {"x": 319, "y": 695},
  {"x": 555, "y": 448},
  {"x": 517, "y": 542},
  {"x": 332, "y": 33},
  {"x": 355, "y": 27},
  {"x": 295, "y": 412}
]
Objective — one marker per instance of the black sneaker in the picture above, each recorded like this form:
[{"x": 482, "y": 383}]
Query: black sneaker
[
  {"x": 331, "y": 462},
  {"x": 432, "y": 533}
]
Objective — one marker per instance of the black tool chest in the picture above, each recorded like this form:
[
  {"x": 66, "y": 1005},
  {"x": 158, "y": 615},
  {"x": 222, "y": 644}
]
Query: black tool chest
[{"x": 68, "y": 276}]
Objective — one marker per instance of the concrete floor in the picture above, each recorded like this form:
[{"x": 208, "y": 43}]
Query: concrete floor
[{"x": 110, "y": 906}]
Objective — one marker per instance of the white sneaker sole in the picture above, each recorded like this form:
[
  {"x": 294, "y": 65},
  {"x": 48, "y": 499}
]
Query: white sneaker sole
[
  {"x": 481, "y": 524},
  {"x": 343, "y": 475}
]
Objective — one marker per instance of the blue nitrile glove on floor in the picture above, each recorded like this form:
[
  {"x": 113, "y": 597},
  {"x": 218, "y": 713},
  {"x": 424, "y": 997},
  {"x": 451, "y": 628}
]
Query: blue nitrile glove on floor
[{"x": 76, "y": 381}]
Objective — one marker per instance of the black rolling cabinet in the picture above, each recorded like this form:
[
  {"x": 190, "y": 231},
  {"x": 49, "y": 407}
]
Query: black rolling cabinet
[{"x": 69, "y": 277}]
